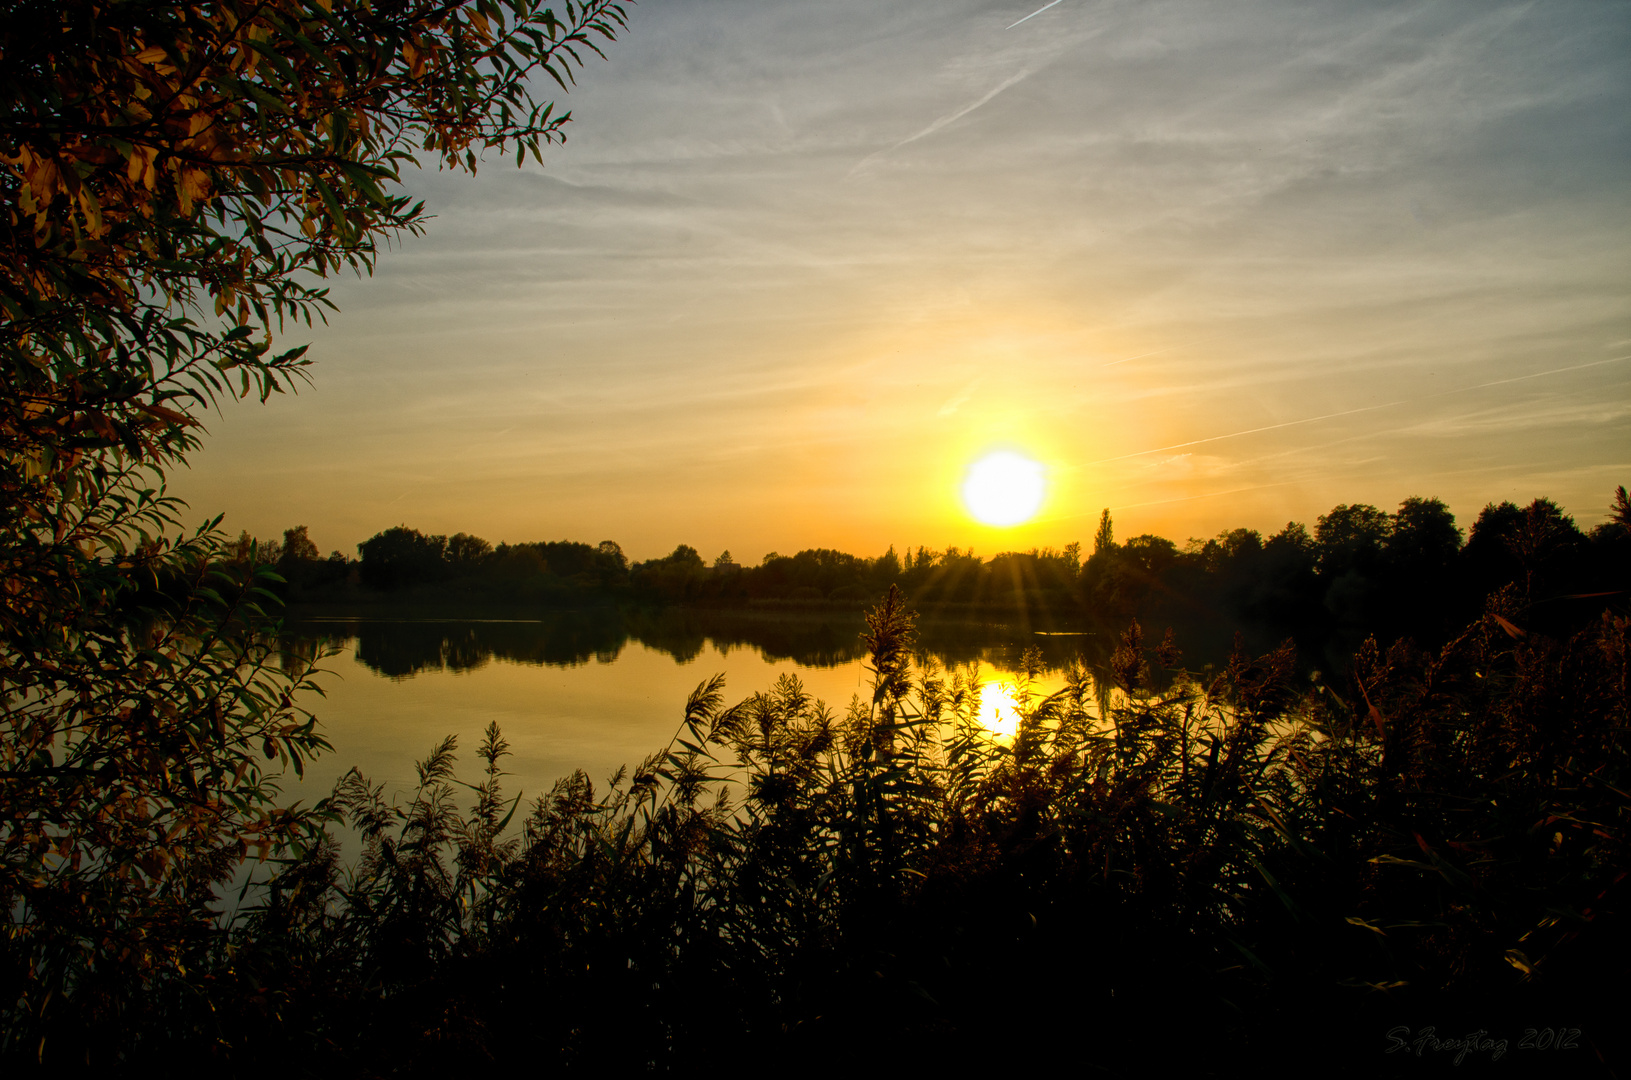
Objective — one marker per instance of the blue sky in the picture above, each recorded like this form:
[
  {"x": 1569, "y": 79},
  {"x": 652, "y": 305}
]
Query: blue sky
[{"x": 799, "y": 264}]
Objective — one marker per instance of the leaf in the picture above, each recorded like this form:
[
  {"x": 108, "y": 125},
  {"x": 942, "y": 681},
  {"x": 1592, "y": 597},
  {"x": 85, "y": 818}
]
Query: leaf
[{"x": 1354, "y": 920}]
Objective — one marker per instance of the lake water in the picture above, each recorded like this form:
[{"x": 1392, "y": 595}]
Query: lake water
[{"x": 592, "y": 690}]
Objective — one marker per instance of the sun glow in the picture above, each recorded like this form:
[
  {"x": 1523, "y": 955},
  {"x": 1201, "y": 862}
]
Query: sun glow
[
  {"x": 1004, "y": 488},
  {"x": 999, "y": 709}
]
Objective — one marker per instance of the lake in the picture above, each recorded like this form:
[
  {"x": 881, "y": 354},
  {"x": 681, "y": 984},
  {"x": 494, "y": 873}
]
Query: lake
[{"x": 595, "y": 690}]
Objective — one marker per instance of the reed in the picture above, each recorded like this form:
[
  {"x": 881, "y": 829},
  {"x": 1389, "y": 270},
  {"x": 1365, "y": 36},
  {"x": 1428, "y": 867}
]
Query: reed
[{"x": 1200, "y": 865}]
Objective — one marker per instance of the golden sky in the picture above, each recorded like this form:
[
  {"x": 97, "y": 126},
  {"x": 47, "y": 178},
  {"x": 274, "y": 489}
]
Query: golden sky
[{"x": 799, "y": 264}]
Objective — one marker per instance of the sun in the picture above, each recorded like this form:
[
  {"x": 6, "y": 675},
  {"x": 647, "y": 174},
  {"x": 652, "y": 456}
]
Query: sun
[{"x": 1004, "y": 488}]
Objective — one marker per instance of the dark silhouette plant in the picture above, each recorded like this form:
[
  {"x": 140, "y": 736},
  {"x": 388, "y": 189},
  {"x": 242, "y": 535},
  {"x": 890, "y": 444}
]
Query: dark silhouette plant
[
  {"x": 1276, "y": 865},
  {"x": 178, "y": 178}
]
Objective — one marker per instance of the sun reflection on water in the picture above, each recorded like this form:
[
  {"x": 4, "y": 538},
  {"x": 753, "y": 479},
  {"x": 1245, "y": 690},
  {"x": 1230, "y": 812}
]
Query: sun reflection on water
[{"x": 999, "y": 709}]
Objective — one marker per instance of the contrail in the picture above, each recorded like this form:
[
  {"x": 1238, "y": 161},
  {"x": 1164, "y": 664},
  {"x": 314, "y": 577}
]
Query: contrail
[
  {"x": 1203, "y": 495},
  {"x": 1032, "y": 15},
  {"x": 1534, "y": 375},
  {"x": 1180, "y": 498},
  {"x": 1366, "y": 409},
  {"x": 1152, "y": 352},
  {"x": 1127, "y": 359},
  {"x": 1248, "y": 431},
  {"x": 940, "y": 123},
  {"x": 965, "y": 110}
]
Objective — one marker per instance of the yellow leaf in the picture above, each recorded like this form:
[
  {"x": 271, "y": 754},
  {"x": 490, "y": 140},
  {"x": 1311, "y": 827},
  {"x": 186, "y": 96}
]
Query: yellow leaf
[
  {"x": 92, "y": 211},
  {"x": 43, "y": 179}
]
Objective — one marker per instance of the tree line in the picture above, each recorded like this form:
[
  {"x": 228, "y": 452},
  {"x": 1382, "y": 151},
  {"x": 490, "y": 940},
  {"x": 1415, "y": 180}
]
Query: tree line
[{"x": 1360, "y": 570}]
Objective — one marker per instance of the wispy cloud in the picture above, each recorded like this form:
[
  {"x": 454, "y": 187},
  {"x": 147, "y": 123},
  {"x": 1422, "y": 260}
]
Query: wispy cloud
[
  {"x": 1365, "y": 409},
  {"x": 950, "y": 118},
  {"x": 1247, "y": 431},
  {"x": 1201, "y": 217},
  {"x": 962, "y": 398}
]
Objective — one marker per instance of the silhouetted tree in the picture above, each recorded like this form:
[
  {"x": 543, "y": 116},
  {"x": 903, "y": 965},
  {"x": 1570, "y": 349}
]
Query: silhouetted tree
[
  {"x": 1072, "y": 558},
  {"x": 466, "y": 553},
  {"x": 676, "y": 577},
  {"x": 886, "y": 570},
  {"x": 1419, "y": 567},
  {"x": 1288, "y": 597},
  {"x": 1105, "y": 538},
  {"x": 402, "y": 557},
  {"x": 1488, "y": 557},
  {"x": 1350, "y": 539},
  {"x": 1423, "y": 535},
  {"x": 297, "y": 546}
]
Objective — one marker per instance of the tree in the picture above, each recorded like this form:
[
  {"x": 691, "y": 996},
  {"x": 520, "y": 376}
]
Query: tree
[
  {"x": 178, "y": 178},
  {"x": 1350, "y": 538},
  {"x": 1105, "y": 539},
  {"x": 1294, "y": 537},
  {"x": 609, "y": 554},
  {"x": 1072, "y": 557},
  {"x": 297, "y": 545},
  {"x": 466, "y": 552},
  {"x": 886, "y": 569},
  {"x": 178, "y": 175},
  {"x": 1423, "y": 534},
  {"x": 1507, "y": 544},
  {"x": 400, "y": 557},
  {"x": 682, "y": 555}
]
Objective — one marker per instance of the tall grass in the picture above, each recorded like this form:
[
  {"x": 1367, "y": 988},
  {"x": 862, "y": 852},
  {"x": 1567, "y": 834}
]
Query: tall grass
[{"x": 1157, "y": 862}]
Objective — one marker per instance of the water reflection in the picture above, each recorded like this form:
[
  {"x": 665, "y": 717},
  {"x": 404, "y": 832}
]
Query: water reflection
[
  {"x": 999, "y": 709},
  {"x": 401, "y": 647},
  {"x": 598, "y": 690}
]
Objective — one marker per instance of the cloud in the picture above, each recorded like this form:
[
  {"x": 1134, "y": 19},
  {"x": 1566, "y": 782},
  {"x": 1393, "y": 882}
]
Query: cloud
[
  {"x": 961, "y": 398},
  {"x": 1189, "y": 217},
  {"x": 950, "y": 118}
]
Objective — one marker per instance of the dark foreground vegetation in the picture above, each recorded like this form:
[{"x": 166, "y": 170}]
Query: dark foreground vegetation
[{"x": 1156, "y": 869}]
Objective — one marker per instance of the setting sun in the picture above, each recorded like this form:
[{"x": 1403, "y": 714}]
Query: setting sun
[{"x": 1004, "y": 488}]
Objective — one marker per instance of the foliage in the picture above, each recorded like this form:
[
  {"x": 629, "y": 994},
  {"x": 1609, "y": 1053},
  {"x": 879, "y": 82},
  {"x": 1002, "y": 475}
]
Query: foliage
[
  {"x": 177, "y": 179},
  {"x": 176, "y": 174},
  {"x": 136, "y": 720},
  {"x": 1270, "y": 866}
]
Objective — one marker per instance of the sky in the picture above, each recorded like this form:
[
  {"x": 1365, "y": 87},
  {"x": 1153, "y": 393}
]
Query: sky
[{"x": 799, "y": 265}]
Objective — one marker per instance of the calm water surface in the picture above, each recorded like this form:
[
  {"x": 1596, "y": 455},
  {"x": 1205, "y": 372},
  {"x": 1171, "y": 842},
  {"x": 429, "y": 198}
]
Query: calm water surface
[{"x": 591, "y": 691}]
